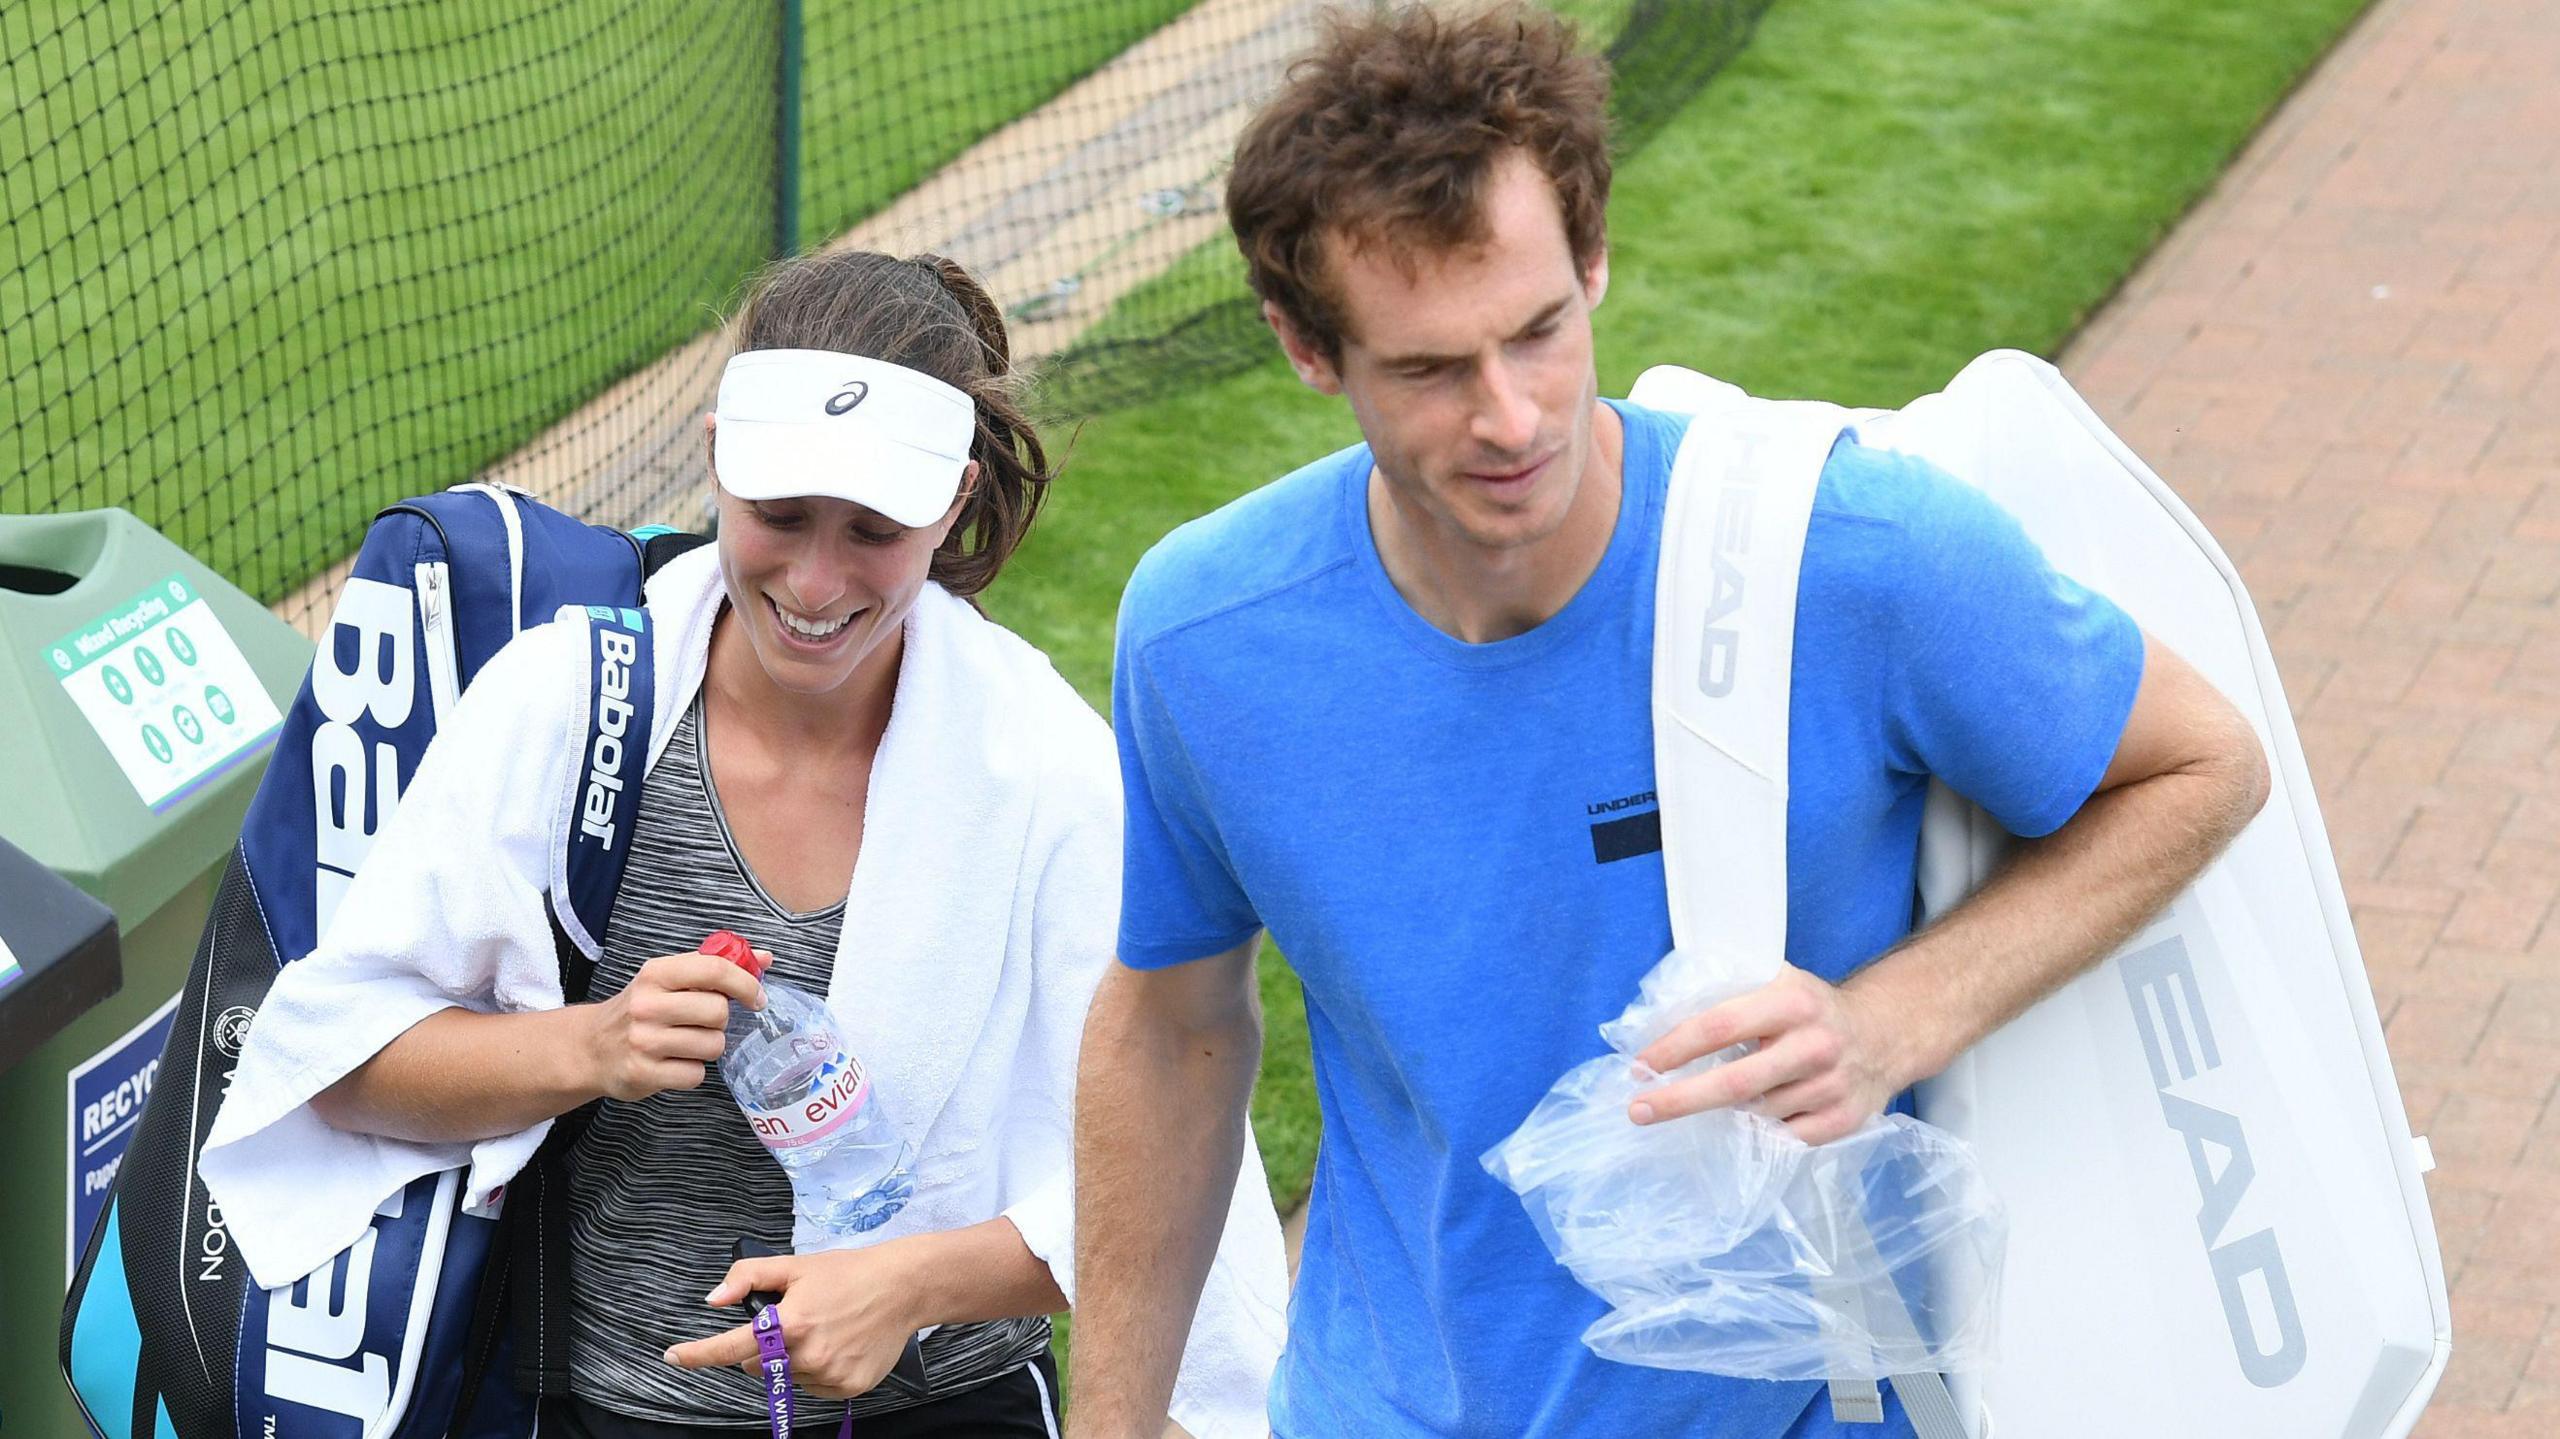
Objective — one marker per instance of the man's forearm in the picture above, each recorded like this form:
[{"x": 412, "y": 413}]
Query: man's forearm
[
  {"x": 1160, "y": 1129},
  {"x": 2128, "y": 852}
]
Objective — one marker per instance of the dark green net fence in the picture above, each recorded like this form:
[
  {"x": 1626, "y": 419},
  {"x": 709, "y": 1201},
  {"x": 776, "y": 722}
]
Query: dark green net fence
[{"x": 271, "y": 264}]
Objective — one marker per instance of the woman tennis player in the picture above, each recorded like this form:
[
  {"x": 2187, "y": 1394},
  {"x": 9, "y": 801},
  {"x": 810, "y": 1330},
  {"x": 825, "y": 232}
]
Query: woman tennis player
[{"x": 897, "y": 798}]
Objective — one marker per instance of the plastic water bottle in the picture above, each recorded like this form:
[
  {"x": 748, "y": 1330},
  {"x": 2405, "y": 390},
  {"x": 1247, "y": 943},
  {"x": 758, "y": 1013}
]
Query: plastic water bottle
[{"x": 812, "y": 1103}]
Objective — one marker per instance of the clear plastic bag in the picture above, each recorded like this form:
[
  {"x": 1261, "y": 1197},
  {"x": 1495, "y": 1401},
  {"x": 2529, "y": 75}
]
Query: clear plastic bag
[{"x": 1726, "y": 1245}]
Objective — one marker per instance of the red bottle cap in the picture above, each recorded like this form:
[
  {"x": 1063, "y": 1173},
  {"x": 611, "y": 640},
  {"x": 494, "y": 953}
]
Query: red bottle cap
[{"x": 735, "y": 950}]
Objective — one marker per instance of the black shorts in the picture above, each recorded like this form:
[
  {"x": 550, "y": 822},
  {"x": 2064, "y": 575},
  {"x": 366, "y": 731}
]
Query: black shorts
[{"x": 1017, "y": 1404}]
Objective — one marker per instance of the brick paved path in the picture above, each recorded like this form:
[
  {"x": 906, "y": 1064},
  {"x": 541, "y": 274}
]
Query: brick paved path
[{"x": 2348, "y": 361}]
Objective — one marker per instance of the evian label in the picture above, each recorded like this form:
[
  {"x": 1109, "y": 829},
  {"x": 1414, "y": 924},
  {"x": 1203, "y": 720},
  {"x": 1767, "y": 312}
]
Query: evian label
[{"x": 836, "y": 1093}]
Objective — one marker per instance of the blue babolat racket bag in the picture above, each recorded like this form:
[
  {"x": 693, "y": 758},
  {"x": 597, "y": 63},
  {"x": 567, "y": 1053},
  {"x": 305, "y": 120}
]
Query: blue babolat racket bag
[{"x": 164, "y": 1336}]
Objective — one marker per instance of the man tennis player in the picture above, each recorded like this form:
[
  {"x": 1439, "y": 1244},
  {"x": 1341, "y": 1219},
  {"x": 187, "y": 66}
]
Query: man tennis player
[{"x": 1376, "y": 706}]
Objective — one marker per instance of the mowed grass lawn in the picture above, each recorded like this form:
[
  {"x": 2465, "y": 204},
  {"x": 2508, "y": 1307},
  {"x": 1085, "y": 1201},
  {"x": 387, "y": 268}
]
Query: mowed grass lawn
[
  {"x": 1873, "y": 192},
  {"x": 267, "y": 266}
]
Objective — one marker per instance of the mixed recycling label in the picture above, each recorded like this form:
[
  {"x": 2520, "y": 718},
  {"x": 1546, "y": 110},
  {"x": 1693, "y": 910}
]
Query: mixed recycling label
[
  {"x": 167, "y": 690},
  {"x": 106, "y": 1092}
]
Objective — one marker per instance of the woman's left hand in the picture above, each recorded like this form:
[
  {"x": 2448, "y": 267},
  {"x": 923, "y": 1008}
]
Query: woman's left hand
[{"x": 846, "y": 1316}]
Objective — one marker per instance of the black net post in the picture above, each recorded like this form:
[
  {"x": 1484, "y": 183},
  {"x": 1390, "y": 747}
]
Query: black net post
[{"x": 786, "y": 132}]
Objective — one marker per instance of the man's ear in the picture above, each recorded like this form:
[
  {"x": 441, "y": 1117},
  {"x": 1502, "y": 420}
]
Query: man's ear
[
  {"x": 1315, "y": 369},
  {"x": 1595, "y": 280}
]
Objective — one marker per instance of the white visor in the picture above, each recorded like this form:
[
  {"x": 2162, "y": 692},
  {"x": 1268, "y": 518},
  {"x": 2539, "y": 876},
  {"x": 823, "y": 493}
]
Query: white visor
[{"x": 815, "y": 422}]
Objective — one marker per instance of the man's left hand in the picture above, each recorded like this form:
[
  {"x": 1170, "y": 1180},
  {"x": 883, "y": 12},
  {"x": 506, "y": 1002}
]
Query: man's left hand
[
  {"x": 845, "y": 1318},
  {"x": 1820, "y": 1063}
]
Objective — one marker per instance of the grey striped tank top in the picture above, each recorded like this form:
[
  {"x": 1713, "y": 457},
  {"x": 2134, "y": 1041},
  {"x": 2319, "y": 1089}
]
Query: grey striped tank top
[{"x": 660, "y": 1189}]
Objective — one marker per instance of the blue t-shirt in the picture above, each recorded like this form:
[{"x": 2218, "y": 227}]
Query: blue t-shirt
[{"x": 1456, "y": 847}]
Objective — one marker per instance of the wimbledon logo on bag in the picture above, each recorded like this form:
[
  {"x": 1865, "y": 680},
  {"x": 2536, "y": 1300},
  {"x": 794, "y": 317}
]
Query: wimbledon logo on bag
[{"x": 836, "y": 1093}]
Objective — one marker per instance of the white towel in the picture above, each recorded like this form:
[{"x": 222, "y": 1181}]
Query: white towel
[{"x": 981, "y": 915}]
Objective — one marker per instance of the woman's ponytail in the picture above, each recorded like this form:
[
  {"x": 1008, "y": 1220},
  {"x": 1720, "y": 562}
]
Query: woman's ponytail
[{"x": 1013, "y": 466}]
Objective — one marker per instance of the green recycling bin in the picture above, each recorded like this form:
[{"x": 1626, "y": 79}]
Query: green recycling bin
[{"x": 140, "y": 694}]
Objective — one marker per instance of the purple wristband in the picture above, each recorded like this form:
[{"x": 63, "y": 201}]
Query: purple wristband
[{"x": 775, "y": 1362}]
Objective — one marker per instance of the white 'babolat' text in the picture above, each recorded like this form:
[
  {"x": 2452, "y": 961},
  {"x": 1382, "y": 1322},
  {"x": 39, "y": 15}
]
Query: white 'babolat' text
[
  {"x": 836, "y": 1094},
  {"x": 380, "y": 686},
  {"x": 616, "y": 652},
  {"x": 316, "y": 1354}
]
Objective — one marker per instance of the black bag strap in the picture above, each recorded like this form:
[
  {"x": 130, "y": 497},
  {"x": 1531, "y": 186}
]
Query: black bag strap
[
  {"x": 537, "y": 1237},
  {"x": 659, "y": 548},
  {"x": 488, "y": 1310}
]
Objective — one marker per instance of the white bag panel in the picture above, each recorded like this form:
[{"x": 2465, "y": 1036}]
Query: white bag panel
[
  {"x": 1679, "y": 391},
  {"x": 2115, "y": 1320}
]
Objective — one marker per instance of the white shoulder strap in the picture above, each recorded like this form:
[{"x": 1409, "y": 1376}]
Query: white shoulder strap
[
  {"x": 1733, "y": 533},
  {"x": 1733, "y": 530}
]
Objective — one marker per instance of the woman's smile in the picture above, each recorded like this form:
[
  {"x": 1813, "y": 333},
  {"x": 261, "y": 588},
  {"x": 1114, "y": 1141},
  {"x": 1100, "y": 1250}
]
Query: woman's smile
[{"x": 803, "y": 632}]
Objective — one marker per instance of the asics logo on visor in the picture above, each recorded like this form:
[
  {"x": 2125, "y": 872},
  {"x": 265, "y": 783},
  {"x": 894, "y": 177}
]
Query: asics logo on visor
[{"x": 850, "y": 396}]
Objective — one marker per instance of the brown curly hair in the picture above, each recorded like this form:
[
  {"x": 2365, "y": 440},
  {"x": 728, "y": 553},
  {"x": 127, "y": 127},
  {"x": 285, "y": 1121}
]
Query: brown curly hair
[
  {"x": 928, "y": 314},
  {"x": 1386, "y": 132}
]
